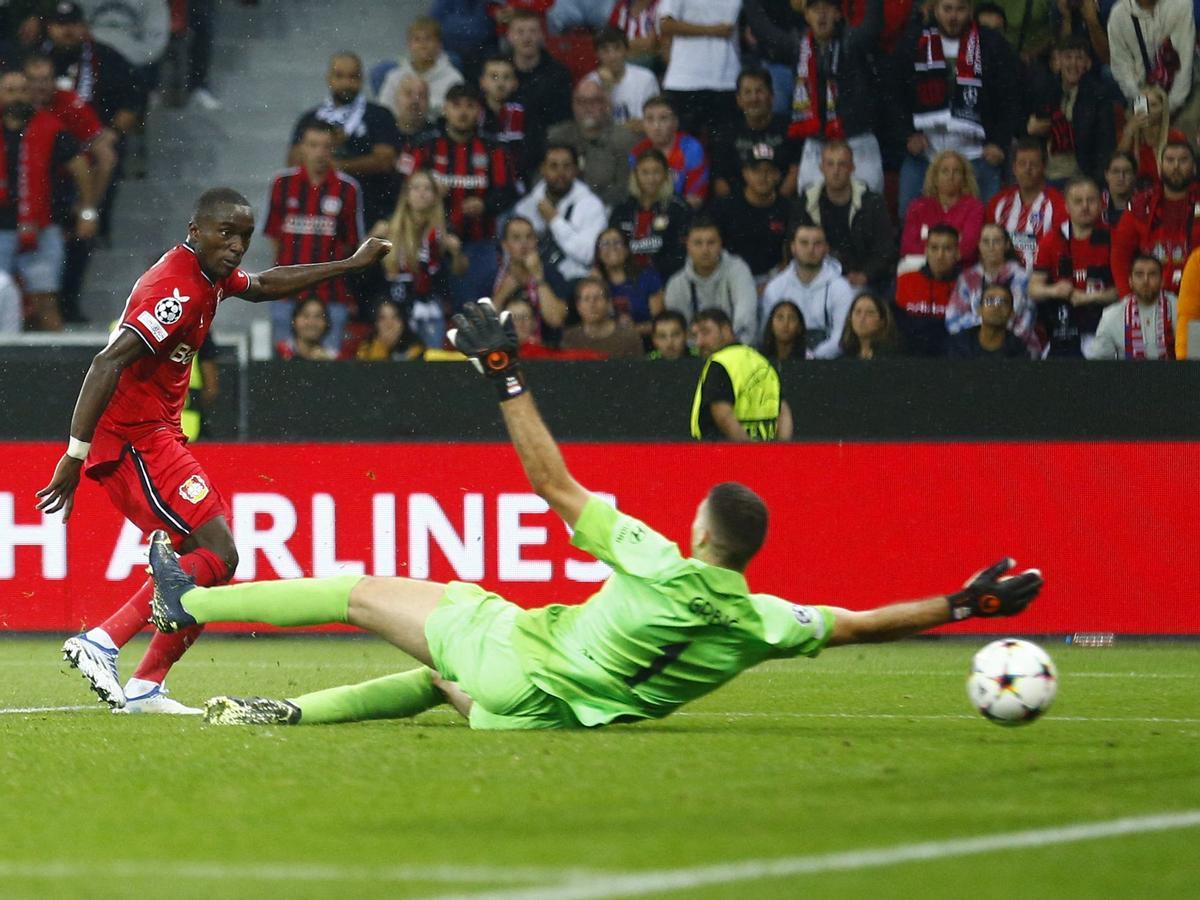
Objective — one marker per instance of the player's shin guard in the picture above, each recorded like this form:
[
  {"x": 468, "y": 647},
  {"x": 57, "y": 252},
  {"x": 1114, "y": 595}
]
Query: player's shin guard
[
  {"x": 391, "y": 697},
  {"x": 289, "y": 604}
]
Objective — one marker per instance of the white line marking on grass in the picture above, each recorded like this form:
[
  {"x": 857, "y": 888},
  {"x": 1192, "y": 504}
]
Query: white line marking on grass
[
  {"x": 630, "y": 883},
  {"x": 943, "y": 673},
  {"x": 23, "y": 710},
  {"x": 293, "y": 872},
  {"x": 922, "y": 716}
]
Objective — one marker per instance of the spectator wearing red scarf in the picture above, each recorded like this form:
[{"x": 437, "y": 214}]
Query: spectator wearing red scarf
[
  {"x": 955, "y": 88},
  {"x": 1142, "y": 325},
  {"x": 1073, "y": 115},
  {"x": 835, "y": 91}
]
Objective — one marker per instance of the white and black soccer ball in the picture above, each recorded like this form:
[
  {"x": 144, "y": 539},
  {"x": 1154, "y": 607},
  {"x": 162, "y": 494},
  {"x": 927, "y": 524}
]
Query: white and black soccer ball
[{"x": 1012, "y": 682}]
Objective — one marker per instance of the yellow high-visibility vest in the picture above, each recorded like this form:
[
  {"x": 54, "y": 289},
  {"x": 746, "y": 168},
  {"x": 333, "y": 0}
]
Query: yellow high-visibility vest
[{"x": 756, "y": 400}]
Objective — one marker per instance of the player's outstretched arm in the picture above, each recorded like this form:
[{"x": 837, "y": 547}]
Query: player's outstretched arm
[
  {"x": 288, "y": 281},
  {"x": 98, "y": 387},
  {"x": 490, "y": 341},
  {"x": 988, "y": 593}
]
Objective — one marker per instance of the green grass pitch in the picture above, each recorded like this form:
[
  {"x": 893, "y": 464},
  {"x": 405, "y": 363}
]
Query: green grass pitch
[{"x": 863, "y": 749}]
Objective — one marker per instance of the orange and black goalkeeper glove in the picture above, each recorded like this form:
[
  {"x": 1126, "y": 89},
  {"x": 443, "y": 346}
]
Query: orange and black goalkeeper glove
[
  {"x": 489, "y": 340},
  {"x": 989, "y": 592}
]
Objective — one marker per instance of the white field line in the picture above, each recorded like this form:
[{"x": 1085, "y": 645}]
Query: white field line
[
  {"x": 582, "y": 884},
  {"x": 30, "y": 710},
  {"x": 160, "y": 868},
  {"x": 632, "y": 883},
  {"x": 920, "y": 716},
  {"x": 735, "y": 714}
]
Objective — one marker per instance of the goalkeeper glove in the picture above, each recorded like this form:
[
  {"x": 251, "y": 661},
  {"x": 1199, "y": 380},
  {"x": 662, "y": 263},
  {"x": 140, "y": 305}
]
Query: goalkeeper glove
[
  {"x": 490, "y": 341},
  {"x": 989, "y": 592}
]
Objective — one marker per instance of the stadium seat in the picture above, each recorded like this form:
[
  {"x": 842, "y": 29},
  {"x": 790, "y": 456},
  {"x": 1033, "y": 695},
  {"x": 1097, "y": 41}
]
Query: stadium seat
[{"x": 574, "y": 49}]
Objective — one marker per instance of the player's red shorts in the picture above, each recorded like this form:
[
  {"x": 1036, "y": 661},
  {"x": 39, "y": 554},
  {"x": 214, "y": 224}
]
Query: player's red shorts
[{"x": 157, "y": 483}]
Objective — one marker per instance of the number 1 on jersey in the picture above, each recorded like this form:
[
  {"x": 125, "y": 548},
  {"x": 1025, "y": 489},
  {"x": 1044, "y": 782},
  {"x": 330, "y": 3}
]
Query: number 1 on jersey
[{"x": 670, "y": 653}]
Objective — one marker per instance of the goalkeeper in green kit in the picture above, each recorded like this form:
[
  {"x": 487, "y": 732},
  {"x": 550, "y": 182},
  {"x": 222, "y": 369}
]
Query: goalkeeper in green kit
[{"x": 663, "y": 630}]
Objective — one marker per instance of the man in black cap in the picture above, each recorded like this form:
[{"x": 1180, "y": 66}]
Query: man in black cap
[
  {"x": 95, "y": 71},
  {"x": 105, "y": 80},
  {"x": 754, "y": 221}
]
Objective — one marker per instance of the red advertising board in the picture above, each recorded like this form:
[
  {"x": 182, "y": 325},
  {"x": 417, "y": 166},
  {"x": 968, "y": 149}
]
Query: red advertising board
[{"x": 1113, "y": 525}]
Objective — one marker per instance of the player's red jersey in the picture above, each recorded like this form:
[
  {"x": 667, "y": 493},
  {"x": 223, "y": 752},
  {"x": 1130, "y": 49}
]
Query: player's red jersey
[
  {"x": 78, "y": 118},
  {"x": 170, "y": 309}
]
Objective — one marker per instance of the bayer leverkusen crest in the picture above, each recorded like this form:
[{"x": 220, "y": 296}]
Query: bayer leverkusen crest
[{"x": 193, "y": 490}]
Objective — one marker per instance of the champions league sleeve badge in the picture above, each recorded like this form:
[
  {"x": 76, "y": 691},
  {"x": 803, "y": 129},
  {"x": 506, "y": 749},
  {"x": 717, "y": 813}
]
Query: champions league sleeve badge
[{"x": 169, "y": 309}]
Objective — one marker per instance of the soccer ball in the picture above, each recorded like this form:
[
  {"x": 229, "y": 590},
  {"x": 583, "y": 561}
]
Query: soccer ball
[{"x": 1012, "y": 682}]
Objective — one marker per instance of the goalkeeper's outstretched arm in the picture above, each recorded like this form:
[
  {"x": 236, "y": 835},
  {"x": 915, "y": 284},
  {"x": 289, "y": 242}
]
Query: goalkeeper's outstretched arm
[
  {"x": 988, "y": 593},
  {"x": 541, "y": 458},
  {"x": 490, "y": 341}
]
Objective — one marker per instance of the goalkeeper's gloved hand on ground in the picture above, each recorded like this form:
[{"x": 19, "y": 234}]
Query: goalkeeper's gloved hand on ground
[
  {"x": 989, "y": 592},
  {"x": 490, "y": 341}
]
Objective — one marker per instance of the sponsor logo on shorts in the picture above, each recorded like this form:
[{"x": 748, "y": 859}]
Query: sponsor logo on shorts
[
  {"x": 193, "y": 490},
  {"x": 157, "y": 331}
]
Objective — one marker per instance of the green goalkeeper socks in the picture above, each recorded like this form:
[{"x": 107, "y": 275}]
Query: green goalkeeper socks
[
  {"x": 391, "y": 697},
  {"x": 289, "y": 603}
]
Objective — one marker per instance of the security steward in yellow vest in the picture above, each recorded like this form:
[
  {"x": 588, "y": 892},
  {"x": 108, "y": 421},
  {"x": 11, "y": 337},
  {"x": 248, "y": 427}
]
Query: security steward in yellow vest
[
  {"x": 202, "y": 390},
  {"x": 738, "y": 395}
]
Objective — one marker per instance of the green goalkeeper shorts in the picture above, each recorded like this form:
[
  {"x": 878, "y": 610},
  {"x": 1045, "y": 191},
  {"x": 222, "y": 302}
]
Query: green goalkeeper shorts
[{"x": 470, "y": 640}]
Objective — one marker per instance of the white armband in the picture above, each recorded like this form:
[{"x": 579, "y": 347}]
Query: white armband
[{"x": 77, "y": 449}]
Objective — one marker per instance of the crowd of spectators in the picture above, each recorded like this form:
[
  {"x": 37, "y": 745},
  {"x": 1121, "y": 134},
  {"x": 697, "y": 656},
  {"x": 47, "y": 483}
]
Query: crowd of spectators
[
  {"x": 76, "y": 80},
  {"x": 841, "y": 178}
]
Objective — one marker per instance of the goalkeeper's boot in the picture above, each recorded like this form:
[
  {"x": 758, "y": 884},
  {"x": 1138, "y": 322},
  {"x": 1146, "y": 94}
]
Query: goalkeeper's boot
[
  {"x": 170, "y": 584},
  {"x": 156, "y": 700},
  {"x": 250, "y": 711},
  {"x": 98, "y": 665}
]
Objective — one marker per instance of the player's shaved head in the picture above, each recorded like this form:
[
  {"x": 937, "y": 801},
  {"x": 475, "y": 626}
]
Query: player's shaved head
[
  {"x": 213, "y": 202},
  {"x": 345, "y": 56},
  {"x": 737, "y": 523}
]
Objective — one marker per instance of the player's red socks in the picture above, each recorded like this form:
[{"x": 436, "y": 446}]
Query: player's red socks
[
  {"x": 131, "y": 618},
  {"x": 203, "y": 565},
  {"x": 165, "y": 649}
]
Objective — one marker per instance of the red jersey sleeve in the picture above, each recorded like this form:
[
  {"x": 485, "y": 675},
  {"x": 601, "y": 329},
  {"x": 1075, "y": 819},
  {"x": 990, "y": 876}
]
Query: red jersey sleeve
[
  {"x": 352, "y": 216},
  {"x": 1048, "y": 252},
  {"x": 273, "y": 227},
  {"x": 238, "y": 281},
  {"x": 159, "y": 313},
  {"x": 1126, "y": 240}
]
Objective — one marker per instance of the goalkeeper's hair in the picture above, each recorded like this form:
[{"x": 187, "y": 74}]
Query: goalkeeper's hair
[
  {"x": 211, "y": 201},
  {"x": 737, "y": 523}
]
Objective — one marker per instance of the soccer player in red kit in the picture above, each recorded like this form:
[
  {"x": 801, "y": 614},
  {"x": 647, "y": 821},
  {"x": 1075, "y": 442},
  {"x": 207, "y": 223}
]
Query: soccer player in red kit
[{"x": 125, "y": 431}]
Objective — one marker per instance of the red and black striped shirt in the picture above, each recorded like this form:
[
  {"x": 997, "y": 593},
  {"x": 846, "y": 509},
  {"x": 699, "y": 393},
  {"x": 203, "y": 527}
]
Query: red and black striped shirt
[
  {"x": 315, "y": 224},
  {"x": 477, "y": 168}
]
